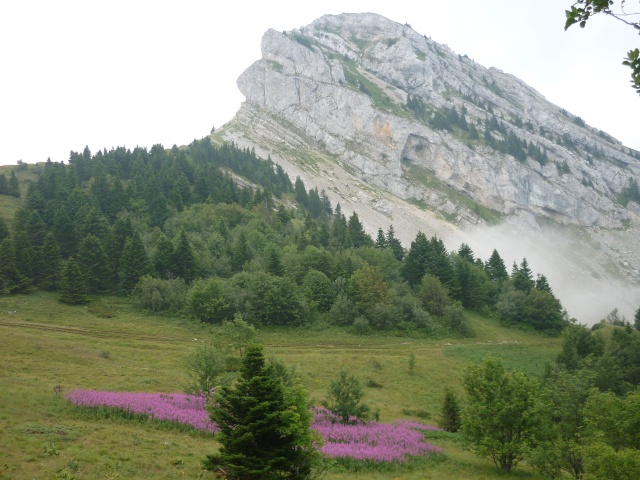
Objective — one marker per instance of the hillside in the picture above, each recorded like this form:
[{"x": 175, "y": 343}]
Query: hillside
[{"x": 406, "y": 132}]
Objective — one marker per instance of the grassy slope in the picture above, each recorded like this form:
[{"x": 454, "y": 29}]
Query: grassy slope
[{"x": 46, "y": 344}]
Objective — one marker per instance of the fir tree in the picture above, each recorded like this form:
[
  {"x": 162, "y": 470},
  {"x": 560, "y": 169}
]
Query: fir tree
[
  {"x": 72, "y": 288},
  {"x": 11, "y": 279},
  {"x": 358, "y": 236},
  {"x": 381, "y": 240},
  {"x": 50, "y": 262},
  {"x": 495, "y": 268},
  {"x": 394, "y": 244},
  {"x": 264, "y": 426},
  {"x": 4, "y": 230},
  {"x": 94, "y": 265},
  {"x": 184, "y": 259},
  {"x": 134, "y": 263},
  {"x": 450, "y": 419},
  {"x": 163, "y": 257},
  {"x": 636, "y": 319},
  {"x": 14, "y": 186}
]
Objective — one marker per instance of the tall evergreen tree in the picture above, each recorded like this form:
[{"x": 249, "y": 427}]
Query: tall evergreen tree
[
  {"x": 65, "y": 232},
  {"x": 415, "y": 262},
  {"x": 134, "y": 263},
  {"x": 495, "y": 268},
  {"x": 50, "y": 262},
  {"x": 11, "y": 279},
  {"x": 358, "y": 236},
  {"x": 72, "y": 287},
  {"x": 14, "y": 185},
  {"x": 522, "y": 277},
  {"x": 302, "y": 197},
  {"x": 264, "y": 426},
  {"x": 240, "y": 252},
  {"x": 636, "y": 319},
  {"x": 184, "y": 259},
  {"x": 163, "y": 257},
  {"x": 94, "y": 265},
  {"x": 394, "y": 244},
  {"x": 4, "y": 230}
]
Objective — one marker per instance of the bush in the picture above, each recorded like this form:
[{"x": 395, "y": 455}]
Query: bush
[{"x": 159, "y": 296}]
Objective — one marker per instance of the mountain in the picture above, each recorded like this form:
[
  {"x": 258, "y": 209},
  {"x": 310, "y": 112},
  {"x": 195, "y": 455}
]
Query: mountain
[{"x": 406, "y": 132}]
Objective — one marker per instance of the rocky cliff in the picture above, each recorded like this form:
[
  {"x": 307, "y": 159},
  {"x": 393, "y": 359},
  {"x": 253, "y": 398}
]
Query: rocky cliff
[{"x": 408, "y": 132}]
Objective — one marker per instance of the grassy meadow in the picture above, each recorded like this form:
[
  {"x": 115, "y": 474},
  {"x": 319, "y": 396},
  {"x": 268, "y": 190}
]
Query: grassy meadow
[{"x": 108, "y": 345}]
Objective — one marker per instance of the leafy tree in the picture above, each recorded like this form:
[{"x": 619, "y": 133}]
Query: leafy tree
[
  {"x": 367, "y": 287},
  {"x": 344, "y": 399},
  {"x": 543, "y": 311},
  {"x": 72, "y": 287},
  {"x": 159, "y": 295},
  {"x": 238, "y": 334},
  {"x": 561, "y": 441},
  {"x": 206, "y": 369},
  {"x": 264, "y": 425},
  {"x": 450, "y": 418},
  {"x": 497, "y": 422},
  {"x": 205, "y": 301},
  {"x": 319, "y": 290},
  {"x": 582, "y": 10},
  {"x": 434, "y": 296}
]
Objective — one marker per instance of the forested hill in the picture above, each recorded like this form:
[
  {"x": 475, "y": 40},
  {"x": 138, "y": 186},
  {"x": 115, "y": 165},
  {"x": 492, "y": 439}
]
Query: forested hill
[{"x": 211, "y": 232}]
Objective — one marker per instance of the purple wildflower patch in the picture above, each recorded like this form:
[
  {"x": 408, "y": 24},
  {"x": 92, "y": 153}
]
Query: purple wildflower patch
[
  {"x": 170, "y": 407},
  {"x": 369, "y": 442},
  {"x": 373, "y": 441}
]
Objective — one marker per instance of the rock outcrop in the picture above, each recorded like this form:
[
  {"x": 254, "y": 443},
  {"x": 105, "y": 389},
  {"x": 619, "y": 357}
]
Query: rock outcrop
[{"x": 396, "y": 125}]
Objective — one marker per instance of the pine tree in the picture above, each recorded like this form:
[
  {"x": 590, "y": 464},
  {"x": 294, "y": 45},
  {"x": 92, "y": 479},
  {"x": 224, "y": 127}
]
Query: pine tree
[
  {"x": 11, "y": 280},
  {"x": 636, "y": 319},
  {"x": 94, "y": 265},
  {"x": 50, "y": 262},
  {"x": 264, "y": 426},
  {"x": 394, "y": 244},
  {"x": 450, "y": 419},
  {"x": 14, "y": 185},
  {"x": 381, "y": 240},
  {"x": 163, "y": 257},
  {"x": 72, "y": 288},
  {"x": 415, "y": 262},
  {"x": 358, "y": 236},
  {"x": 134, "y": 263},
  {"x": 522, "y": 277},
  {"x": 240, "y": 252},
  {"x": 495, "y": 268},
  {"x": 4, "y": 230},
  {"x": 184, "y": 264}
]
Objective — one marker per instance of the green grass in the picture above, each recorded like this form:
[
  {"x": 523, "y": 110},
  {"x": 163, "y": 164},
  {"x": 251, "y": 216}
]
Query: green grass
[{"x": 110, "y": 346}]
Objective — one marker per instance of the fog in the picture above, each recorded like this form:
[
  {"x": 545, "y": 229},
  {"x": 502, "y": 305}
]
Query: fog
[{"x": 591, "y": 271}]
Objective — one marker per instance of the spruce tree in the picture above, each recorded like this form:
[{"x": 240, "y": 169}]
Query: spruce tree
[
  {"x": 264, "y": 426},
  {"x": 450, "y": 419},
  {"x": 11, "y": 280},
  {"x": 134, "y": 263},
  {"x": 72, "y": 288},
  {"x": 4, "y": 230},
  {"x": 183, "y": 264},
  {"x": 381, "y": 241},
  {"x": 14, "y": 185},
  {"x": 495, "y": 268},
  {"x": 94, "y": 265},
  {"x": 394, "y": 244},
  {"x": 50, "y": 262},
  {"x": 636, "y": 319}
]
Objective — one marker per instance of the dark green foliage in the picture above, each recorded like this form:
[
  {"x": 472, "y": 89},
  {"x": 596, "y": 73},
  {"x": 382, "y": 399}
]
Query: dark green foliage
[
  {"x": 357, "y": 235},
  {"x": 394, "y": 244},
  {"x": 319, "y": 290},
  {"x": 205, "y": 301},
  {"x": 344, "y": 399},
  {"x": 543, "y": 311},
  {"x": 50, "y": 263},
  {"x": 11, "y": 279},
  {"x": 134, "y": 263},
  {"x": 434, "y": 296},
  {"x": 94, "y": 265},
  {"x": 72, "y": 287},
  {"x": 183, "y": 262},
  {"x": 450, "y": 418},
  {"x": 160, "y": 296},
  {"x": 4, "y": 230},
  {"x": 636, "y": 319},
  {"x": 522, "y": 277},
  {"x": 13, "y": 186},
  {"x": 264, "y": 425}
]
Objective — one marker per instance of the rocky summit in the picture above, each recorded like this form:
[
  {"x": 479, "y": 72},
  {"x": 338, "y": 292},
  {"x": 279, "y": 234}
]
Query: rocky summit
[{"x": 406, "y": 132}]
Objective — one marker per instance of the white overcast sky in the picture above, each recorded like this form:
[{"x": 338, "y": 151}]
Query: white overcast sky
[{"x": 112, "y": 73}]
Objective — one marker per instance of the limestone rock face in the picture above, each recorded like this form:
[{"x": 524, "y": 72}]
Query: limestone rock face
[{"x": 384, "y": 118}]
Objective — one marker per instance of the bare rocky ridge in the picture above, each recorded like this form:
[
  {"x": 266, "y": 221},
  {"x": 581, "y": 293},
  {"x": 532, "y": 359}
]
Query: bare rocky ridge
[{"x": 330, "y": 103}]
